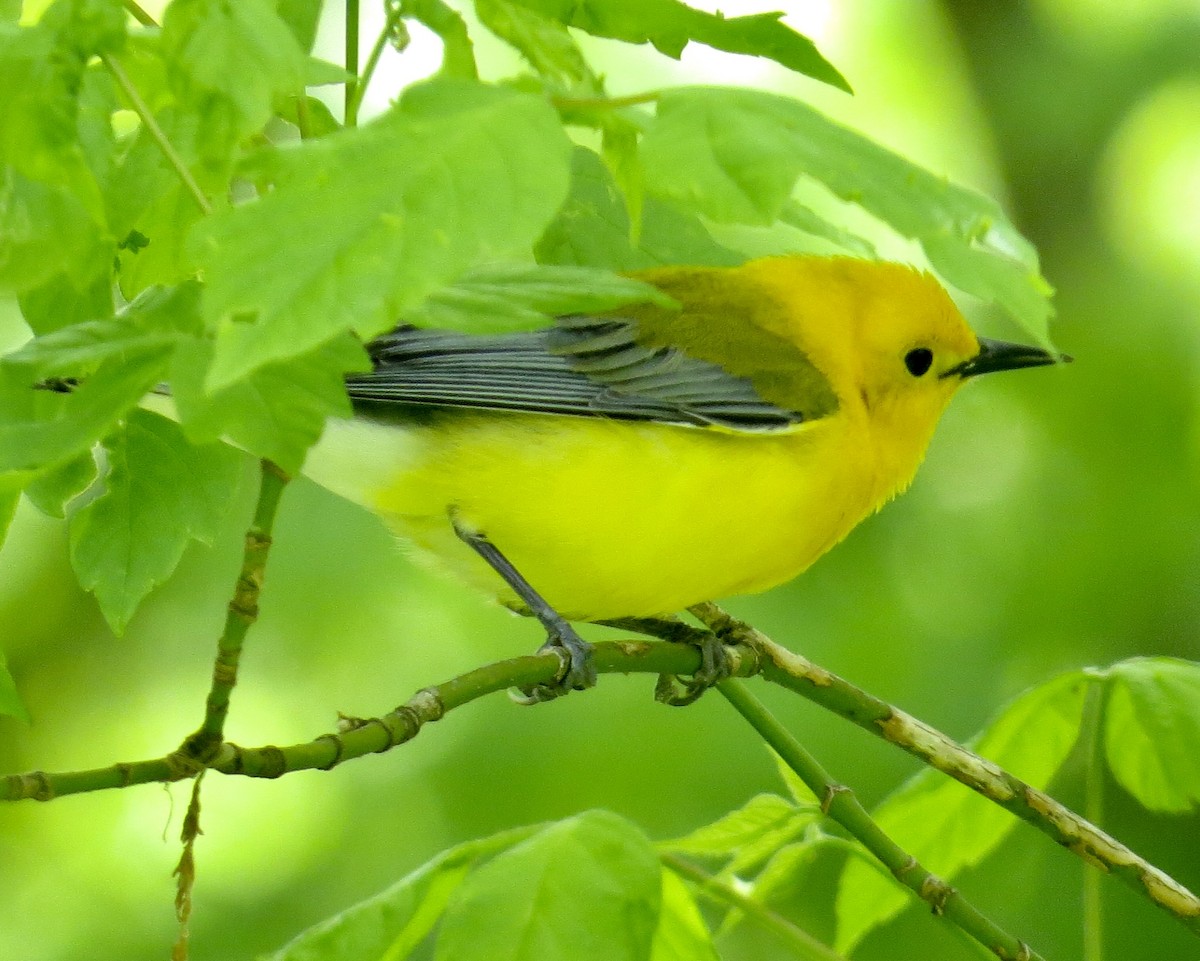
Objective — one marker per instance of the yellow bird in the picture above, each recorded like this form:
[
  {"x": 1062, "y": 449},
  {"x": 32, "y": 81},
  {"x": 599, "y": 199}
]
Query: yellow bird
[{"x": 639, "y": 462}]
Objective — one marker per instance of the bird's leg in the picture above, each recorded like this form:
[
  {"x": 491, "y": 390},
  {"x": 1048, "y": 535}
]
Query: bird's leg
[{"x": 579, "y": 671}]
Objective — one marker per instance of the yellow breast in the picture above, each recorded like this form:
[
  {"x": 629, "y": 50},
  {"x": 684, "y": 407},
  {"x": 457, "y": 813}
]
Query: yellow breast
[{"x": 609, "y": 519}]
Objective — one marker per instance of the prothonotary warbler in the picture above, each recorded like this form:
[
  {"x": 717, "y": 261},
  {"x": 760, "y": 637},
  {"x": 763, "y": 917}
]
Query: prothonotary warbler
[{"x": 639, "y": 462}]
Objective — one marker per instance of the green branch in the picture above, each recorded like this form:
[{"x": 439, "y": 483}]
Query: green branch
[
  {"x": 242, "y": 612},
  {"x": 840, "y": 803},
  {"x": 1064, "y": 826},
  {"x": 358, "y": 737},
  {"x": 143, "y": 111}
]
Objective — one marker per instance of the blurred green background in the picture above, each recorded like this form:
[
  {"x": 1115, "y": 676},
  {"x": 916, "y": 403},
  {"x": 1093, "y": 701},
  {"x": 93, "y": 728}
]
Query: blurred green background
[{"x": 1056, "y": 523}]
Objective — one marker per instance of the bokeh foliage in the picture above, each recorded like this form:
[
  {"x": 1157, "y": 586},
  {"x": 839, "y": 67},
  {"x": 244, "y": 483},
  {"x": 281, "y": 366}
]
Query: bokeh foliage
[{"x": 1055, "y": 525}]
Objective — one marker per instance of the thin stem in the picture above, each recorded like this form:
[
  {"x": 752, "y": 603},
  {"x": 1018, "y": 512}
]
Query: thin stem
[
  {"x": 242, "y": 612},
  {"x": 156, "y": 132},
  {"x": 839, "y": 803},
  {"x": 395, "y": 12},
  {"x": 350, "y": 118},
  {"x": 805, "y": 945},
  {"x": 138, "y": 14},
  {"x": 1093, "y": 810}
]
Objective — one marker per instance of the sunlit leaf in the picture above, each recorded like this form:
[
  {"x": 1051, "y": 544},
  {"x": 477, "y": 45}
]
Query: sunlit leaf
[
  {"x": 458, "y": 172},
  {"x": 735, "y": 156},
  {"x": 671, "y": 26},
  {"x": 682, "y": 934},
  {"x": 160, "y": 492},
  {"x": 387, "y": 926},
  {"x": 1152, "y": 731},
  {"x": 584, "y": 889}
]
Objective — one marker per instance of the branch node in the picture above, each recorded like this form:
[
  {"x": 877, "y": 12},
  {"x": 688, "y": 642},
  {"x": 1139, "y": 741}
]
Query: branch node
[
  {"x": 338, "y": 748},
  {"x": 428, "y": 705},
  {"x": 830, "y": 795},
  {"x": 908, "y": 866},
  {"x": 274, "y": 762},
  {"x": 937, "y": 892}
]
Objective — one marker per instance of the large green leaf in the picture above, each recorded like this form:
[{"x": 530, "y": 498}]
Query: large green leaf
[
  {"x": 46, "y": 232},
  {"x": 160, "y": 493},
  {"x": 671, "y": 26},
  {"x": 593, "y": 230},
  {"x": 1152, "y": 731},
  {"x": 735, "y": 156},
  {"x": 40, "y": 428},
  {"x": 41, "y": 76},
  {"x": 946, "y": 826},
  {"x": 278, "y": 411},
  {"x": 584, "y": 889},
  {"x": 389, "y": 212},
  {"x": 227, "y": 61},
  {"x": 389, "y": 925}
]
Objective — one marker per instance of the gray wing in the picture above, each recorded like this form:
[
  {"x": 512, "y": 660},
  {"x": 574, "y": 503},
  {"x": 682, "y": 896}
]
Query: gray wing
[{"x": 582, "y": 366}]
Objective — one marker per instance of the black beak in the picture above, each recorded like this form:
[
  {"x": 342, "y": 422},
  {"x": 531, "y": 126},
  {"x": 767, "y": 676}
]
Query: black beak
[{"x": 998, "y": 355}]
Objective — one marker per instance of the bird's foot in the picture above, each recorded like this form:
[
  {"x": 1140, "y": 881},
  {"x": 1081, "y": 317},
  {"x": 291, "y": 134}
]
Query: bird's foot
[
  {"x": 715, "y": 666},
  {"x": 578, "y": 671}
]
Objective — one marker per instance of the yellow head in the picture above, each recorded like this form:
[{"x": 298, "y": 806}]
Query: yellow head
[{"x": 891, "y": 342}]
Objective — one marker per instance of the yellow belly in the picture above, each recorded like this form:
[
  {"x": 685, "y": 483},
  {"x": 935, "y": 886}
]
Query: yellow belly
[{"x": 607, "y": 519}]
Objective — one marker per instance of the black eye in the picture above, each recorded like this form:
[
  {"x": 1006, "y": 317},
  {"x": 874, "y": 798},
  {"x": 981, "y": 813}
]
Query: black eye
[{"x": 918, "y": 361}]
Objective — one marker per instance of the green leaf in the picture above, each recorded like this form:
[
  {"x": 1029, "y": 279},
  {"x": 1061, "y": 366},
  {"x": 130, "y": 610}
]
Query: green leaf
[
  {"x": 10, "y": 701},
  {"x": 508, "y": 297},
  {"x": 748, "y": 835},
  {"x": 391, "y": 211},
  {"x": 322, "y": 73},
  {"x": 592, "y": 229},
  {"x": 946, "y": 826},
  {"x": 584, "y": 889},
  {"x": 1152, "y": 731},
  {"x": 389, "y": 925},
  {"x": 781, "y": 872},
  {"x": 313, "y": 119},
  {"x": 160, "y": 493},
  {"x": 53, "y": 489},
  {"x": 41, "y": 74},
  {"x": 735, "y": 155},
  {"x": 302, "y": 18},
  {"x": 58, "y": 302},
  {"x": 227, "y": 60},
  {"x": 279, "y": 411},
  {"x": 544, "y": 43},
  {"x": 808, "y": 220},
  {"x": 45, "y": 231},
  {"x": 40, "y": 428},
  {"x": 79, "y": 349},
  {"x": 148, "y": 204},
  {"x": 671, "y": 25},
  {"x": 682, "y": 934}
]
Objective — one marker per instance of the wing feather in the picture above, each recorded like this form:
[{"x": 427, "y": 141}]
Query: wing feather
[{"x": 582, "y": 366}]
